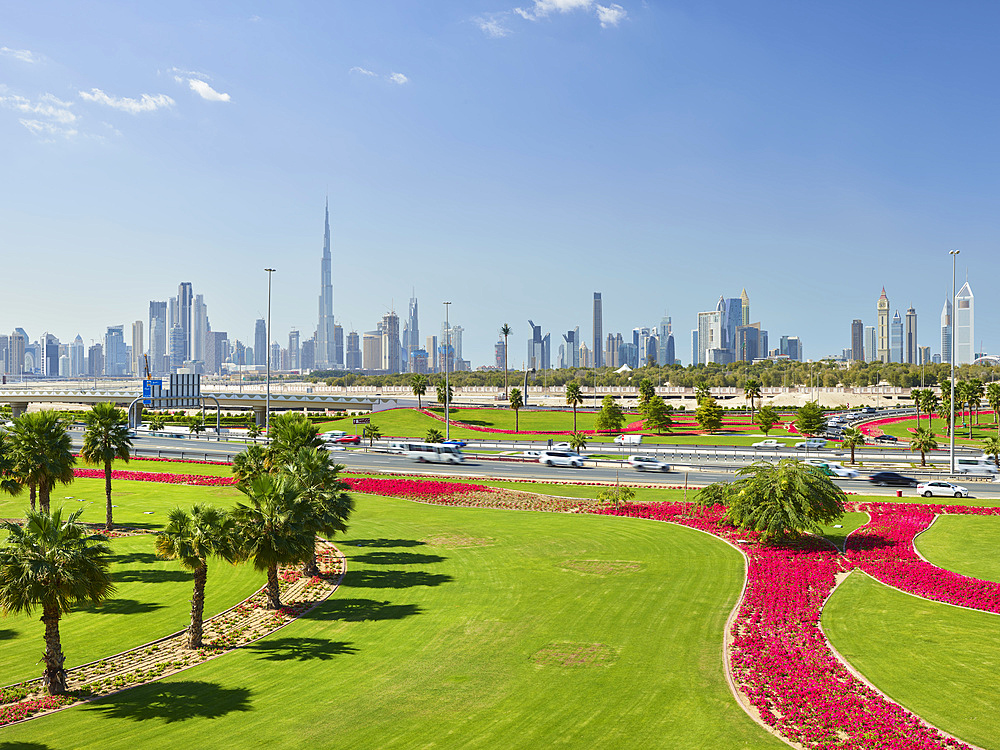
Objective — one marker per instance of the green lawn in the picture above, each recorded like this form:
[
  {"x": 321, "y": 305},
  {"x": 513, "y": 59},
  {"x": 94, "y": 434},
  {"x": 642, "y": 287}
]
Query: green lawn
[
  {"x": 986, "y": 428},
  {"x": 466, "y": 628},
  {"x": 947, "y": 668},
  {"x": 152, "y": 600},
  {"x": 166, "y": 467},
  {"x": 964, "y": 544}
]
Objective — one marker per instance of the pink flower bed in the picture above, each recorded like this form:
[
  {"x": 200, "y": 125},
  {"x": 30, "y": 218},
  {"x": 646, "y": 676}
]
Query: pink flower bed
[
  {"x": 414, "y": 489},
  {"x": 780, "y": 659},
  {"x": 155, "y": 476}
]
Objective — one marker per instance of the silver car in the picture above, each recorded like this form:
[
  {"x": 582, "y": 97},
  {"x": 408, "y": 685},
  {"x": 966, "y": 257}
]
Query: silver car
[
  {"x": 941, "y": 489},
  {"x": 647, "y": 463}
]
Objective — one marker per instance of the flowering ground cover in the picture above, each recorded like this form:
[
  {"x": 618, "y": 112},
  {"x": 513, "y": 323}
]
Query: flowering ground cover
[{"x": 157, "y": 476}]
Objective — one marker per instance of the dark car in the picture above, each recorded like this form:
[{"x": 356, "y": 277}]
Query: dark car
[
  {"x": 886, "y": 439},
  {"x": 886, "y": 478},
  {"x": 456, "y": 443}
]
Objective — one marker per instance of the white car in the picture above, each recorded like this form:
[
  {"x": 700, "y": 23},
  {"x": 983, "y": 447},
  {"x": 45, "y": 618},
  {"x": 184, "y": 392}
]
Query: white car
[
  {"x": 811, "y": 444},
  {"x": 769, "y": 443},
  {"x": 941, "y": 489},
  {"x": 832, "y": 468},
  {"x": 531, "y": 454},
  {"x": 561, "y": 458},
  {"x": 561, "y": 447},
  {"x": 647, "y": 463}
]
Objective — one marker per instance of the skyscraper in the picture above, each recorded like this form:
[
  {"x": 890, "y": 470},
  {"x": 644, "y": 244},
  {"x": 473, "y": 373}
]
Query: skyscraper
[
  {"x": 353, "y": 355},
  {"x": 371, "y": 344},
  {"x": 709, "y": 334},
  {"x": 538, "y": 348},
  {"x": 159, "y": 328},
  {"x": 432, "y": 354},
  {"x": 294, "y": 350},
  {"x": 946, "y": 331},
  {"x": 571, "y": 350},
  {"x": 184, "y": 301},
  {"x": 390, "y": 342},
  {"x": 857, "y": 341},
  {"x": 598, "y": 330},
  {"x": 412, "y": 330},
  {"x": 745, "y": 302},
  {"x": 176, "y": 347},
  {"x": 896, "y": 338},
  {"x": 338, "y": 346},
  {"x": 871, "y": 350},
  {"x": 326, "y": 355},
  {"x": 882, "y": 310},
  {"x": 965, "y": 326},
  {"x": 77, "y": 355},
  {"x": 791, "y": 347},
  {"x": 138, "y": 363},
  {"x": 115, "y": 361},
  {"x": 910, "y": 354},
  {"x": 260, "y": 342},
  {"x": 199, "y": 327},
  {"x": 18, "y": 343},
  {"x": 665, "y": 343}
]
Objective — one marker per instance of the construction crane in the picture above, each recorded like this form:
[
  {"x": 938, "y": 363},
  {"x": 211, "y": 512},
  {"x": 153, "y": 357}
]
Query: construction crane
[{"x": 149, "y": 375}]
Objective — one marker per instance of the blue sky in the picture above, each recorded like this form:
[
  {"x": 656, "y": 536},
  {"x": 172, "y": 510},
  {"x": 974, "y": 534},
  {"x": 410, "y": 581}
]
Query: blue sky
[{"x": 512, "y": 159}]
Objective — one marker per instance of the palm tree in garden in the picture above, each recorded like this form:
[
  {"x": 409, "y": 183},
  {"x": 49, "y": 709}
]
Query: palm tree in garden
[
  {"x": 197, "y": 425},
  {"x": 249, "y": 464},
  {"x": 993, "y": 399},
  {"x": 289, "y": 432},
  {"x": 192, "y": 538},
  {"x": 917, "y": 396},
  {"x": 964, "y": 394},
  {"x": 505, "y": 332},
  {"x": 853, "y": 438},
  {"x": 270, "y": 529},
  {"x": 751, "y": 391},
  {"x": 418, "y": 384},
  {"x": 516, "y": 402},
  {"x": 42, "y": 451},
  {"x": 944, "y": 409},
  {"x": 573, "y": 397},
  {"x": 991, "y": 447},
  {"x": 253, "y": 429},
  {"x": 578, "y": 441},
  {"x": 372, "y": 432},
  {"x": 701, "y": 392},
  {"x": 923, "y": 441},
  {"x": 434, "y": 435},
  {"x": 931, "y": 405},
  {"x": 976, "y": 392},
  {"x": 105, "y": 439},
  {"x": 156, "y": 422},
  {"x": 52, "y": 564},
  {"x": 8, "y": 468}
]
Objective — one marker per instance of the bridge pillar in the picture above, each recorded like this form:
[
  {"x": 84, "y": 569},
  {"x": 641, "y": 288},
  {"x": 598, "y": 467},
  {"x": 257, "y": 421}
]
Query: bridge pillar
[
  {"x": 259, "y": 415},
  {"x": 17, "y": 408}
]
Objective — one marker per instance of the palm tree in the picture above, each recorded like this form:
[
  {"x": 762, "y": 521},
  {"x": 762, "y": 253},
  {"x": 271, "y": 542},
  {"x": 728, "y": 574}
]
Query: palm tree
[
  {"x": 270, "y": 529},
  {"x": 418, "y": 384},
  {"x": 931, "y": 404},
  {"x": 193, "y": 538},
  {"x": 156, "y": 422},
  {"x": 434, "y": 435},
  {"x": 106, "y": 438},
  {"x": 516, "y": 402},
  {"x": 917, "y": 396},
  {"x": 964, "y": 394},
  {"x": 751, "y": 391},
  {"x": 197, "y": 425},
  {"x": 976, "y": 392},
  {"x": 993, "y": 399},
  {"x": 944, "y": 409},
  {"x": 505, "y": 332},
  {"x": 53, "y": 564},
  {"x": 253, "y": 429},
  {"x": 923, "y": 441},
  {"x": 250, "y": 464},
  {"x": 328, "y": 506},
  {"x": 991, "y": 447},
  {"x": 853, "y": 437},
  {"x": 573, "y": 398},
  {"x": 372, "y": 432},
  {"x": 578, "y": 441},
  {"x": 288, "y": 433},
  {"x": 43, "y": 452},
  {"x": 701, "y": 392},
  {"x": 8, "y": 468}
]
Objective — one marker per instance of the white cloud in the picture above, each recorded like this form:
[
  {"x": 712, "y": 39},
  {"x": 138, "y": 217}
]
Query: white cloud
[
  {"x": 47, "y": 130},
  {"x": 190, "y": 74},
  {"x": 254, "y": 19},
  {"x": 133, "y": 106},
  {"x": 398, "y": 78},
  {"x": 205, "y": 91},
  {"x": 47, "y": 106},
  {"x": 493, "y": 25},
  {"x": 610, "y": 15},
  {"x": 24, "y": 55},
  {"x": 363, "y": 71}
]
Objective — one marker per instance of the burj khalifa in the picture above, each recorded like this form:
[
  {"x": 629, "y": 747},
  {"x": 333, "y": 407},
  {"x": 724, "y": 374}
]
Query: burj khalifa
[{"x": 326, "y": 356}]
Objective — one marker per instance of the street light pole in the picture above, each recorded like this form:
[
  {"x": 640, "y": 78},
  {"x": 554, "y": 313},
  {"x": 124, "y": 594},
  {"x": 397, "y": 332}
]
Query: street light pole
[
  {"x": 447, "y": 356},
  {"x": 951, "y": 449},
  {"x": 267, "y": 398}
]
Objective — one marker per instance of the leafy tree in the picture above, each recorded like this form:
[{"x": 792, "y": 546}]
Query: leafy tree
[
  {"x": 289, "y": 432},
  {"x": 782, "y": 500},
  {"x": 516, "y": 402},
  {"x": 993, "y": 399},
  {"x": 418, "y": 384},
  {"x": 505, "y": 332},
  {"x": 610, "y": 418},
  {"x": 250, "y": 464},
  {"x": 442, "y": 396},
  {"x": 53, "y": 564},
  {"x": 42, "y": 451},
  {"x": 574, "y": 397},
  {"x": 751, "y": 391},
  {"x": 372, "y": 432},
  {"x": 991, "y": 447},
  {"x": 106, "y": 438},
  {"x": 434, "y": 435},
  {"x": 713, "y": 494},
  {"x": 253, "y": 429},
  {"x": 657, "y": 417},
  {"x": 197, "y": 425},
  {"x": 578, "y": 441},
  {"x": 646, "y": 391},
  {"x": 810, "y": 420},
  {"x": 270, "y": 529},
  {"x": 709, "y": 414},
  {"x": 853, "y": 438},
  {"x": 620, "y": 493},
  {"x": 157, "y": 422},
  {"x": 191, "y": 538},
  {"x": 767, "y": 418},
  {"x": 923, "y": 441}
]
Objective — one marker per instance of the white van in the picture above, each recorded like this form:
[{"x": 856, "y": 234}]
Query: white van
[
  {"x": 975, "y": 465},
  {"x": 811, "y": 444},
  {"x": 433, "y": 453}
]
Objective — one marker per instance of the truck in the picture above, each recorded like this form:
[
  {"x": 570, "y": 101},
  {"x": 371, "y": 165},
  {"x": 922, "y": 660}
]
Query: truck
[{"x": 628, "y": 439}]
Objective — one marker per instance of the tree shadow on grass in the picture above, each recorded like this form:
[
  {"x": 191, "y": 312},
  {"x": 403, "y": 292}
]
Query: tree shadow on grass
[
  {"x": 361, "y": 610},
  {"x": 152, "y": 576},
  {"x": 23, "y": 746},
  {"x": 146, "y": 558},
  {"x": 393, "y": 579},
  {"x": 397, "y": 558},
  {"x": 173, "y": 701},
  {"x": 300, "y": 649},
  {"x": 122, "y": 607},
  {"x": 382, "y": 543},
  {"x": 6, "y": 635}
]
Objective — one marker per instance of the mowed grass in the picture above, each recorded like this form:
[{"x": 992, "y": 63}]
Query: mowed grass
[
  {"x": 165, "y": 467},
  {"x": 151, "y": 601},
  {"x": 467, "y": 628},
  {"x": 964, "y": 544},
  {"x": 947, "y": 671}
]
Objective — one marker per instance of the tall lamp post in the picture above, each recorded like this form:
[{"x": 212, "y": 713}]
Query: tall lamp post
[
  {"x": 951, "y": 441},
  {"x": 267, "y": 398},
  {"x": 447, "y": 356}
]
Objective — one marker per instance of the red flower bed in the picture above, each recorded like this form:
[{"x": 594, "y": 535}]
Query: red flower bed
[
  {"x": 414, "y": 489},
  {"x": 155, "y": 476}
]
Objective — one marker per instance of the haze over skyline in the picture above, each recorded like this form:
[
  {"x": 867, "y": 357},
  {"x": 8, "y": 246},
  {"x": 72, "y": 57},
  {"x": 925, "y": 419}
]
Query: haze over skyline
[{"x": 509, "y": 159}]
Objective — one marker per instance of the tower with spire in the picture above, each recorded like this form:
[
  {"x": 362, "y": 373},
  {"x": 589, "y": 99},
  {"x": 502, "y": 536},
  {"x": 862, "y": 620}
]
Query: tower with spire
[
  {"x": 326, "y": 354},
  {"x": 882, "y": 353},
  {"x": 745, "y": 302}
]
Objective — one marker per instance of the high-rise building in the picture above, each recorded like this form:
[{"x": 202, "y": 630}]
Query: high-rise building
[
  {"x": 748, "y": 343},
  {"x": 710, "y": 333},
  {"x": 49, "y": 353},
  {"x": 791, "y": 347},
  {"x": 871, "y": 348},
  {"x": 857, "y": 340},
  {"x": 353, "y": 355},
  {"x": 412, "y": 330},
  {"x": 115, "y": 359},
  {"x": 294, "y": 350},
  {"x": 77, "y": 355},
  {"x": 159, "y": 328},
  {"x": 260, "y": 342},
  {"x": 326, "y": 355},
  {"x": 910, "y": 337},
  {"x": 896, "y": 338},
  {"x": 923, "y": 355},
  {"x": 598, "y": 330},
  {"x": 946, "y": 332},
  {"x": 307, "y": 354},
  {"x": 199, "y": 327},
  {"x": 500, "y": 353},
  {"x": 184, "y": 301},
  {"x": 214, "y": 349},
  {"x": 732, "y": 317},
  {"x": 571, "y": 350},
  {"x": 138, "y": 361},
  {"x": 665, "y": 342},
  {"x": 884, "y": 344},
  {"x": 586, "y": 357},
  {"x": 18, "y": 343},
  {"x": 338, "y": 345},
  {"x": 371, "y": 350},
  {"x": 176, "y": 347},
  {"x": 538, "y": 348},
  {"x": 611, "y": 350},
  {"x": 745, "y": 303},
  {"x": 432, "y": 354},
  {"x": 965, "y": 326},
  {"x": 390, "y": 343},
  {"x": 95, "y": 361},
  {"x": 696, "y": 358}
]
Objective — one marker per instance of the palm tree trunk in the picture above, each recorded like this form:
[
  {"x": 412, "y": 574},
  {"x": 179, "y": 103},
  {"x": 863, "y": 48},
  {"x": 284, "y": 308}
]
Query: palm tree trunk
[
  {"x": 504, "y": 368},
  {"x": 574, "y": 416},
  {"x": 852, "y": 455},
  {"x": 515, "y": 421},
  {"x": 43, "y": 496},
  {"x": 273, "y": 592},
  {"x": 32, "y": 494},
  {"x": 107, "y": 492},
  {"x": 310, "y": 568},
  {"x": 54, "y": 677},
  {"x": 197, "y": 606},
  {"x": 923, "y": 462}
]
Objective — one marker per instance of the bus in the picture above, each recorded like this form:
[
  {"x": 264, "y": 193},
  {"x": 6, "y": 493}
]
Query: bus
[{"x": 429, "y": 452}]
